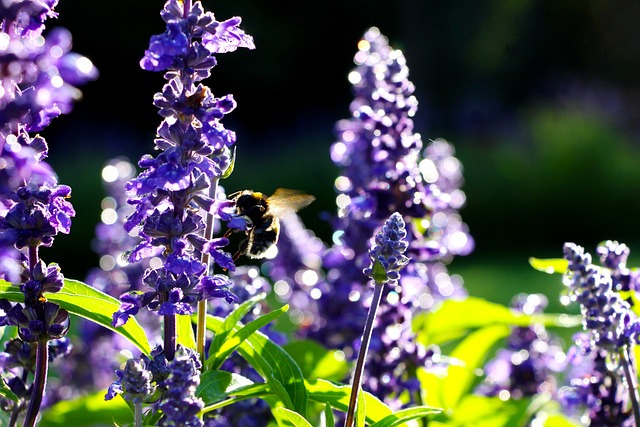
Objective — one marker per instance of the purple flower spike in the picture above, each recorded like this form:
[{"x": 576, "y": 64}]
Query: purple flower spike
[
  {"x": 385, "y": 169},
  {"x": 171, "y": 194},
  {"x": 606, "y": 315},
  {"x": 387, "y": 253}
]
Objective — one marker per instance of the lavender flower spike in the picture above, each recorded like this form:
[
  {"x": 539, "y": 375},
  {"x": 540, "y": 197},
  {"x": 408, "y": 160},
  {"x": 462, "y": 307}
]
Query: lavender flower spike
[
  {"x": 173, "y": 197},
  {"x": 387, "y": 254},
  {"x": 387, "y": 259},
  {"x": 612, "y": 325}
]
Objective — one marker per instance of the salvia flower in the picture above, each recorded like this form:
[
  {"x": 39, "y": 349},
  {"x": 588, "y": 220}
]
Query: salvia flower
[
  {"x": 531, "y": 360},
  {"x": 387, "y": 253},
  {"x": 40, "y": 73},
  {"x": 179, "y": 404},
  {"x": 606, "y": 315},
  {"x": 135, "y": 380},
  {"x": 386, "y": 169},
  {"x": 594, "y": 392},
  {"x": 172, "y": 194},
  {"x": 39, "y": 79}
]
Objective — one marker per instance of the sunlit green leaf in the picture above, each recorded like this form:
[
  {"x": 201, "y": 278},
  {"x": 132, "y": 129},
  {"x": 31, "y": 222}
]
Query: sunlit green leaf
[
  {"x": 6, "y": 391},
  {"x": 316, "y": 361},
  {"x": 328, "y": 419},
  {"x": 186, "y": 335},
  {"x": 233, "y": 319},
  {"x": 361, "y": 409},
  {"x": 289, "y": 418},
  {"x": 481, "y": 411},
  {"x": 237, "y": 337},
  {"x": 337, "y": 395},
  {"x": 87, "y": 411},
  {"x": 87, "y": 302},
  {"x": 472, "y": 353},
  {"x": 232, "y": 162},
  {"x": 549, "y": 265},
  {"x": 559, "y": 420},
  {"x": 454, "y": 319},
  {"x": 274, "y": 364},
  {"x": 217, "y": 385},
  {"x": 402, "y": 416}
]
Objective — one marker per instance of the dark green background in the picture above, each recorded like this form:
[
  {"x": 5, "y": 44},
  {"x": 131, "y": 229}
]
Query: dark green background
[{"x": 540, "y": 99}]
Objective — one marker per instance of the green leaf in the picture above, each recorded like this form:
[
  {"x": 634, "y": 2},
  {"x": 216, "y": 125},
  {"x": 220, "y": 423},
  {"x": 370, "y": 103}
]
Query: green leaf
[
  {"x": 405, "y": 415},
  {"x": 337, "y": 395},
  {"x": 222, "y": 334},
  {"x": 217, "y": 385},
  {"x": 85, "y": 301},
  {"x": 10, "y": 292},
  {"x": 328, "y": 420},
  {"x": 227, "y": 173},
  {"x": 550, "y": 265},
  {"x": 361, "y": 409},
  {"x": 378, "y": 273},
  {"x": 472, "y": 352},
  {"x": 235, "y": 339},
  {"x": 316, "y": 361},
  {"x": 560, "y": 420},
  {"x": 454, "y": 319},
  {"x": 87, "y": 411},
  {"x": 481, "y": 411},
  {"x": 255, "y": 390},
  {"x": 186, "y": 335},
  {"x": 6, "y": 391},
  {"x": 289, "y": 418},
  {"x": 274, "y": 364}
]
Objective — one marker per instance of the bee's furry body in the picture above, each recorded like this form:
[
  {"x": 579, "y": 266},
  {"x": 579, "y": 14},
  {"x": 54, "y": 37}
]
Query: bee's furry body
[{"x": 264, "y": 213}]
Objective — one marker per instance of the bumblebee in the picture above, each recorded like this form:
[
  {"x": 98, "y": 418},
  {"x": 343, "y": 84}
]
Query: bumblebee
[{"x": 264, "y": 214}]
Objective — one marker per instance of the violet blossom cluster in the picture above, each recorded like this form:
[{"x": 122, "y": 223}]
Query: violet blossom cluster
[
  {"x": 385, "y": 169},
  {"x": 606, "y": 315},
  {"x": 98, "y": 352},
  {"x": 602, "y": 380},
  {"x": 531, "y": 360},
  {"x": 171, "y": 384},
  {"x": 594, "y": 393},
  {"x": 38, "y": 79},
  {"x": 174, "y": 200},
  {"x": 177, "y": 187}
]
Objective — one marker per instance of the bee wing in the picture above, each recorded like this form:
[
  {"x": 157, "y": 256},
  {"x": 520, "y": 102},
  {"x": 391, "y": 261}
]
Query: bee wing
[{"x": 284, "y": 200}]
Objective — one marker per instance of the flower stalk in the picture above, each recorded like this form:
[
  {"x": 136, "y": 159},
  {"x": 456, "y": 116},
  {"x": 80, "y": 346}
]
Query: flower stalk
[
  {"x": 39, "y": 382},
  {"x": 387, "y": 259},
  {"x": 356, "y": 382},
  {"x": 206, "y": 260},
  {"x": 632, "y": 382}
]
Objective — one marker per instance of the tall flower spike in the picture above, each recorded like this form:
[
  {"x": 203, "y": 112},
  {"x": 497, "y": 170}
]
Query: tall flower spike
[
  {"x": 387, "y": 259},
  {"x": 387, "y": 253},
  {"x": 607, "y": 316},
  {"x": 609, "y": 320},
  {"x": 386, "y": 168},
  {"x": 176, "y": 189},
  {"x": 39, "y": 75}
]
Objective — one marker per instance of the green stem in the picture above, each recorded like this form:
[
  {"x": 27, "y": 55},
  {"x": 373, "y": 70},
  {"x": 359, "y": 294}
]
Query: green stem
[
  {"x": 362, "y": 354},
  {"x": 206, "y": 260},
  {"x": 417, "y": 395},
  {"x": 632, "y": 382},
  {"x": 15, "y": 413},
  {"x": 39, "y": 383},
  {"x": 137, "y": 414}
]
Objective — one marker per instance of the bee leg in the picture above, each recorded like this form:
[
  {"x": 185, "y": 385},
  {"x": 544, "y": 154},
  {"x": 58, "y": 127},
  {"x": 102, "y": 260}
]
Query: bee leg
[
  {"x": 229, "y": 232},
  {"x": 242, "y": 249}
]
